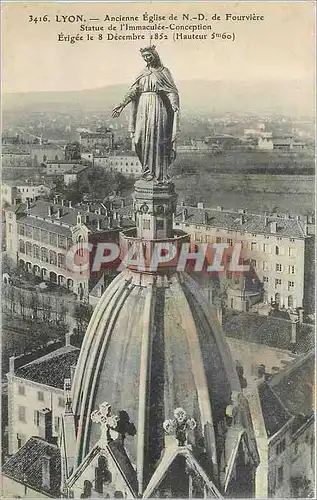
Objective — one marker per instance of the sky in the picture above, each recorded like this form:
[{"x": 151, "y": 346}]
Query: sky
[{"x": 279, "y": 48}]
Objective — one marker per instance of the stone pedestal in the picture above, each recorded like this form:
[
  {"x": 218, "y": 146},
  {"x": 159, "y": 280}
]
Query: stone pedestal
[{"x": 154, "y": 206}]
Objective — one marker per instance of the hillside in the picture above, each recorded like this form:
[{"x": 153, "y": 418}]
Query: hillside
[{"x": 291, "y": 98}]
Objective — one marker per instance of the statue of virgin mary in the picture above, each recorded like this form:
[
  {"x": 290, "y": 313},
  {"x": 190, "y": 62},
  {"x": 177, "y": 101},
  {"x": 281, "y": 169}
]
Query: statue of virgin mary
[{"x": 154, "y": 116}]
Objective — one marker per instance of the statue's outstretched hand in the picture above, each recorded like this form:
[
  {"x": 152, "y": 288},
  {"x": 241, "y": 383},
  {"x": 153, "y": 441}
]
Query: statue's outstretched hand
[{"x": 117, "y": 111}]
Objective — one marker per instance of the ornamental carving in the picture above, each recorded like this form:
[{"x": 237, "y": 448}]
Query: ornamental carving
[{"x": 179, "y": 426}]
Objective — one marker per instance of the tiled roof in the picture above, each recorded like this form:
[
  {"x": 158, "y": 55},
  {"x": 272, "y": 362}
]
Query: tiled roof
[
  {"x": 274, "y": 413},
  {"x": 51, "y": 369},
  {"x": 26, "y": 466},
  {"x": 76, "y": 169},
  {"x": 268, "y": 330},
  {"x": 295, "y": 385},
  {"x": 252, "y": 223},
  {"x": 39, "y": 210}
]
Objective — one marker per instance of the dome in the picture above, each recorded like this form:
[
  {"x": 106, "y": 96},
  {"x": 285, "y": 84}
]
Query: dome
[{"x": 153, "y": 345}]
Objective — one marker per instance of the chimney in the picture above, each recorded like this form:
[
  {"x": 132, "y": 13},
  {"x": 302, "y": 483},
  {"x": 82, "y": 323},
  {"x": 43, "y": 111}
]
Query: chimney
[
  {"x": 98, "y": 225},
  {"x": 273, "y": 226},
  {"x": 70, "y": 204},
  {"x": 46, "y": 472},
  {"x": 219, "y": 209},
  {"x": 200, "y": 205},
  {"x": 59, "y": 213},
  {"x": 219, "y": 314},
  {"x": 184, "y": 214},
  {"x": 261, "y": 371},
  {"x": 45, "y": 424},
  {"x": 11, "y": 364},
  {"x": 67, "y": 339},
  {"x": 50, "y": 210},
  {"x": 72, "y": 372},
  {"x": 241, "y": 211}
]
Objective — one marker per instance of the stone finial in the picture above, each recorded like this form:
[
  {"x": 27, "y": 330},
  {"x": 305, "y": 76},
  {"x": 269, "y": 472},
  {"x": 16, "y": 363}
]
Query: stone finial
[
  {"x": 179, "y": 425},
  {"x": 107, "y": 421}
]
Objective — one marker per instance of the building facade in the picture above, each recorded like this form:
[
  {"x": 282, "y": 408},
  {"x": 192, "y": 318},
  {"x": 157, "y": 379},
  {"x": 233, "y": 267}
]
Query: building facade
[
  {"x": 36, "y": 395},
  {"x": 40, "y": 236},
  {"x": 23, "y": 191},
  {"x": 126, "y": 163},
  {"x": 272, "y": 244}
]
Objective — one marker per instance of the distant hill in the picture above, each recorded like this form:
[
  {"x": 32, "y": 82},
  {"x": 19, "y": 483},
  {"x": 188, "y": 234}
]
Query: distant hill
[{"x": 293, "y": 98}]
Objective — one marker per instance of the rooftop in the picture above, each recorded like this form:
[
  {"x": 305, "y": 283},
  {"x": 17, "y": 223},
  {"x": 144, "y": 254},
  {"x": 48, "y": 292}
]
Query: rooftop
[
  {"x": 51, "y": 369},
  {"x": 288, "y": 394},
  {"x": 38, "y": 215},
  {"x": 26, "y": 466},
  {"x": 242, "y": 222},
  {"x": 268, "y": 330}
]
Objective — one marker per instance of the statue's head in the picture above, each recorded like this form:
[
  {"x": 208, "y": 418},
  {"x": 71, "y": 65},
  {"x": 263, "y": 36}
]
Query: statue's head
[{"x": 151, "y": 56}]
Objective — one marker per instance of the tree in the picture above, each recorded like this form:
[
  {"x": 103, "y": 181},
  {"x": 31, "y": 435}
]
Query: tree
[{"x": 82, "y": 315}]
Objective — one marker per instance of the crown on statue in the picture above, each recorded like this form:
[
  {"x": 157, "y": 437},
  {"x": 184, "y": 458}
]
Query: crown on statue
[{"x": 150, "y": 48}]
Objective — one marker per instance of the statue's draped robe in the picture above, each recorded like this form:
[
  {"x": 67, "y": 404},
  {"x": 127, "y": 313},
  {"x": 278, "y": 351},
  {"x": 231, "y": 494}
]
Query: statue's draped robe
[{"x": 153, "y": 122}]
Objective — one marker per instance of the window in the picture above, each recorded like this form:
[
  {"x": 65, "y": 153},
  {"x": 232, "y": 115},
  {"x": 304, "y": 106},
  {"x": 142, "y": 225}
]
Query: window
[
  {"x": 296, "y": 448},
  {"x": 265, "y": 279},
  {"x": 36, "y": 252},
  {"x": 53, "y": 258},
  {"x": 36, "y": 417},
  {"x": 29, "y": 231},
  {"x": 21, "y": 229},
  {"x": 159, "y": 224},
  {"x": 61, "y": 241},
  {"x": 22, "y": 413},
  {"x": 21, "y": 390},
  {"x": 254, "y": 245},
  {"x": 291, "y": 285},
  {"x": 10, "y": 228},
  {"x": 265, "y": 266},
  {"x": 291, "y": 269},
  {"x": 218, "y": 239},
  {"x": 230, "y": 242},
  {"x": 44, "y": 254},
  {"x": 53, "y": 239},
  {"x": 61, "y": 402},
  {"x": 278, "y": 268},
  {"x": 28, "y": 248},
  {"x": 280, "y": 475},
  {"x": 266, "y": 248},
  {"x": 21, "y": 246},
  {"x": 278, "y": 282},
  {"x": 36, "y": 233},
  {"x": 146, "y": 224},
  {"x": 229, "y": 275},
  {"x": 291, "y": 252},
  {"x": 56, "y": 424},
  {"x": 40, "y": 396},
  {"x": 292, "y": 240},
  {"x": 61, "y": 262}
]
